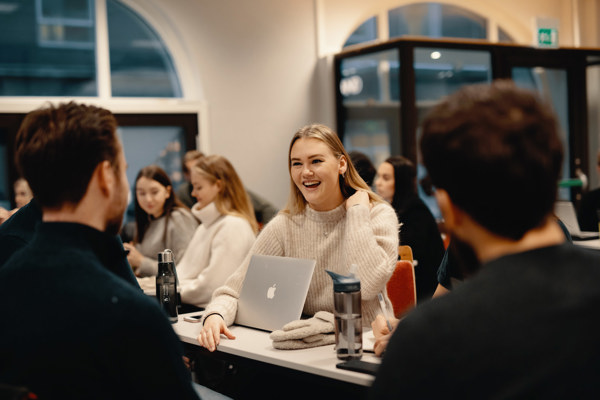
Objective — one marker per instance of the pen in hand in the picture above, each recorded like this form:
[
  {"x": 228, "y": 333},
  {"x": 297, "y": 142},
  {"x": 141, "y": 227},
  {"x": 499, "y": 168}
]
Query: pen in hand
[{"x": 384, "y": 309}]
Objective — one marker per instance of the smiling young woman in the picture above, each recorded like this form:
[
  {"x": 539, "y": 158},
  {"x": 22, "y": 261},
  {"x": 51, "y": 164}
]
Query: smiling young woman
[
  {"x": 332, "y": 217},
  {"x": 162, "y": 221},
  {"x": 225, "y": 236}
]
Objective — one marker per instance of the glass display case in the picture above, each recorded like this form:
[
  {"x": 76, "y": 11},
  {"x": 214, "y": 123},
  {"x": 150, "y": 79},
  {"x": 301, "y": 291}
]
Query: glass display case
[{"x": 383, "y": 92}]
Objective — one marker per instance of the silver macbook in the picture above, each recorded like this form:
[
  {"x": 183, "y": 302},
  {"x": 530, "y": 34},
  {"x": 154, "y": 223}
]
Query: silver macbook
[
  {"x": 565, "y": 211},
  {"x": 274, "y": 291}
]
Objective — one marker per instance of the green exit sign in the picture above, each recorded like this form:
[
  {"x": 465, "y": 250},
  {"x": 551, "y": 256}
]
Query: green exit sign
[{"x": 547, "y": 37}]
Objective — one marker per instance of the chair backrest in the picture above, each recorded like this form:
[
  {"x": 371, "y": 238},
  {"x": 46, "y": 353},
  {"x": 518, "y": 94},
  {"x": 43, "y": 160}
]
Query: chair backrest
[
  {"x": 12, "y": 392},
  {"x": 405, "y": 253},
  {"x": 401, "y": 288}
]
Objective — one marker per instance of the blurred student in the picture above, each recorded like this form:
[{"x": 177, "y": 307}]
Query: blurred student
[
  {"x": 73, "y": 328},
  {"x": 225, "y": 235},
  {"x": 161, "y": 221},
  {"x": 184, "y": 190},
  {"x": 264, "y": 211},
  {"x": 496, "y": 334},
  {"x": 364, "y": 166},
  {"x": 397, "y": 183},
  {"x": 332, "y": 217},
  {"x": 23, "y": 195}
]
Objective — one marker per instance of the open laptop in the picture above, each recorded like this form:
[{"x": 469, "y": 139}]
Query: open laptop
[
  {"x": 565, "y": 211},
  {"x": 274, "y": 291}
]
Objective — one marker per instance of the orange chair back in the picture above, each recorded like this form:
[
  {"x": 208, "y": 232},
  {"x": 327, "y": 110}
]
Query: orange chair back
[
  {"x": 401, "y": 288},
  {"x": 405, "y": 253}
]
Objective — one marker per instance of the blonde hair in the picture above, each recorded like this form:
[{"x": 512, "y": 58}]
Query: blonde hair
[
  {"x": 349, "y": 182},
  {"x": 232, "y": 199}
]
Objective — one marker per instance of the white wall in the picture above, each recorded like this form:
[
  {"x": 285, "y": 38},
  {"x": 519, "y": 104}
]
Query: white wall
[
  {"x": 255, "y": 64},
  {"x": 263, "y": 67}
]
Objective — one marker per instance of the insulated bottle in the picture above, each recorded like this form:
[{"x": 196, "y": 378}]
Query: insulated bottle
[
  {"x": 348, "y": 316},
  {"x": 166, "y": 284}
]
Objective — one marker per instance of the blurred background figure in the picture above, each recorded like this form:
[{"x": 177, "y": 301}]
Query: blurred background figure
[
  {"x": 397, "y": 183},
  {"x": 161, "y": 221},
  {"x": 264, "y": 211},
  {"x": 590, "y": 206},
  {"x": 364, "y": 166},
  {"x": 184, "y": 191},
  {"x": 23, "y": 195},
  {"x": 225, "y": 235}
]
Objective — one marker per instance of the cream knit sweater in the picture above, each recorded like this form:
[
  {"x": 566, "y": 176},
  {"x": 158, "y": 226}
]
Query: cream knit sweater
[
  {"x": 336, "y": 239},
  {"x": 217, "y": 248}
]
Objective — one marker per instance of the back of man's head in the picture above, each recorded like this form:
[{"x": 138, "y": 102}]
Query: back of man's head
[
  {"x": 496, "y": 151},
  {"x": 58, "y": 148},
  {"x": 364, "y": 166}
]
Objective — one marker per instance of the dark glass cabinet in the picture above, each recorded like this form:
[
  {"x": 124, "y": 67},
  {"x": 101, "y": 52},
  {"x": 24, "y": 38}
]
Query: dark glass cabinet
[{"x": 383, "y": 92}]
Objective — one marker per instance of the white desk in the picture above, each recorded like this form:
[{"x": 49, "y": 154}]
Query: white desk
[
  {"x": 256, "y": 345},
  {"x": 591, "y": 244}
]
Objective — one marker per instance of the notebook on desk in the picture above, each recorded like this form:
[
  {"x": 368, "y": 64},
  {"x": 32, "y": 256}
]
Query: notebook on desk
[
  {"x": 274, "y": 291},
  {"x": 565, "y": 211}
]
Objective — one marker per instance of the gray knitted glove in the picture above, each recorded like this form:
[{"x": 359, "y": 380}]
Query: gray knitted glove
[
  {"x": 322, "y": 322},
  {"x": 311, "y": 341},
  {"x": 304, "y": 333}
]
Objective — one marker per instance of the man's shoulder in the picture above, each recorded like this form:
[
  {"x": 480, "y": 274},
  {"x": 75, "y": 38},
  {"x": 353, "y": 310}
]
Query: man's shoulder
[
  {"x": 565, "y": 257},
  {"x": 22, "y": 224}
]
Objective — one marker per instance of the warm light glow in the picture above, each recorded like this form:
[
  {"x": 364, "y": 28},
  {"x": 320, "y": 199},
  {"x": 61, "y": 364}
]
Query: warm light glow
[{"x": 435, "y": 55}]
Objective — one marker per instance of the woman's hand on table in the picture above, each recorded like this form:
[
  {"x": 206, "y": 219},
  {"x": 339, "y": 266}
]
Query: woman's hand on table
[{"x": 210, "y": 335}]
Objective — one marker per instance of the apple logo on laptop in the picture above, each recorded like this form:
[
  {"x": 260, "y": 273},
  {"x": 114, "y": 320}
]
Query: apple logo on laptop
[{"x": 271, "y": 291}]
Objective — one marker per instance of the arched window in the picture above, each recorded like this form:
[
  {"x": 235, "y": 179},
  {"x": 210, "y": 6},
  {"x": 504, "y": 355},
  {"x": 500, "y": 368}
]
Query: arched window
[
  {"x": 49, "y": 48},
  {"x": 94, "y": 51},
  {"x": 435, "y": 20},
  {"x": 370, "y": 85}
]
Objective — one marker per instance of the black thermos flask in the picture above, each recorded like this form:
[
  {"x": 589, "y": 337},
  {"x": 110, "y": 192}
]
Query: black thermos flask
[{"x": 166, "y": 284}]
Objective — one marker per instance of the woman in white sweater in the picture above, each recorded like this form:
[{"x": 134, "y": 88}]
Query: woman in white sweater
[
  {"x": 333, "y": 217},
  {"x": 161, "y": 221},
  {"x": 225, "y": 236}
]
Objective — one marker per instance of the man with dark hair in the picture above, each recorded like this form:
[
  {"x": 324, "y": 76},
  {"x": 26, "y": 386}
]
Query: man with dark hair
[
  {"x": 73, "y": 328},
  {"x": 364, "y": 166},
  {"x": 523, "y": 324}
]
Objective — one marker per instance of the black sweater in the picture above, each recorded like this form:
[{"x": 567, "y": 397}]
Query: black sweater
[
  {"x": 526, "y": 326},
  {"x": 72, "y": 328}
]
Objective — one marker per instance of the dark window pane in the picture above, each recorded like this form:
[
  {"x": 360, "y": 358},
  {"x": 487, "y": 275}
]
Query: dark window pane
[
  {"x": 372, "y": 78},
  {"x": 47, "y": 48},
  {"x": 74, "y": 9},
  {"x": 5, "y": 200},
  {"x": 364, "y": 33},
  {"x": 370, "y": 88},
  {"x": 551, "y": 84},
  {"x": 440, "y": 72},
  {"x": 436, "y": 20},
  {"x": 139, "y": 62}
]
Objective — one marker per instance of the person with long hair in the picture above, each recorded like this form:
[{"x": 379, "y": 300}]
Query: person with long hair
[
  {"x": 332, "y": 217},
  {"x": 161, "y": 221},
  {"x": 23, "y": 195},
  {"x": 397, "y": 183},
  {"x": 225, "y": 236}
]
